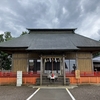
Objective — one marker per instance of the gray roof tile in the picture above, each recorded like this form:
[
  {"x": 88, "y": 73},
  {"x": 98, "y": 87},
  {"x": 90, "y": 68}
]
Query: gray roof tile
[{"x": 60, "y": 40}]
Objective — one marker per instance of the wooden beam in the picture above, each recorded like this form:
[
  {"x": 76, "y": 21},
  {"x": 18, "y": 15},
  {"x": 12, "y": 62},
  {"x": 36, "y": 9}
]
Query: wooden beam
[
  {"x": 52, "y": 56},
  {"x": 76, "y": 61},
  {"x": 92, "y": 63},
  {"x": 12, "y": 67},
  {"x": 27, "y": 62},
  {"x": 41, "y": 70}
]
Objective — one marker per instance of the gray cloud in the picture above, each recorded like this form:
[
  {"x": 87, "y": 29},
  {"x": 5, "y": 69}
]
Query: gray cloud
[{"x": 17, "y": 15}]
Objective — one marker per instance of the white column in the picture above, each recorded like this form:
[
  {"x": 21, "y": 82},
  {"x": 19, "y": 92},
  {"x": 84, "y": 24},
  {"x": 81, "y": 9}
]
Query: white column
[{"x": 64, "y": 70}]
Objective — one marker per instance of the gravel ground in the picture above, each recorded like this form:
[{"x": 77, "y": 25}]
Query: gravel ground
[
  {"x": 15, "y": 93},
  {"x": 51, "y": 94},
  {"x": 86, "y": 92}
]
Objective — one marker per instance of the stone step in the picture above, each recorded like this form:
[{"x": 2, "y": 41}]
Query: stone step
[
  {"x": 58, "y": 79},
  {"x": 46, "y": 81},
  {"x": 51, "y": 83}
]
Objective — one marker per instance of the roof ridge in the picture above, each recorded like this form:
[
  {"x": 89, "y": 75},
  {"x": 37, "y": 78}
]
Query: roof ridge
[{"x": 51, "y": 29}]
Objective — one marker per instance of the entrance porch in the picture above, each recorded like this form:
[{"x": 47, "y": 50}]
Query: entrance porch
[
  {"x": 57, "y": 64},
  {"x": 52, "y": 69}
]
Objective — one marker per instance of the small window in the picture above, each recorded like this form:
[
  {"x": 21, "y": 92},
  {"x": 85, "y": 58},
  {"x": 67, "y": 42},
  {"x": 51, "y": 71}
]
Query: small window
[{"x": 69, "y": 64}]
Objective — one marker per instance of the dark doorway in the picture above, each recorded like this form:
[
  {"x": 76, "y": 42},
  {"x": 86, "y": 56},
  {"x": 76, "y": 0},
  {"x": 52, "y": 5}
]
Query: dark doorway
[{"x": 96, "y": 66}]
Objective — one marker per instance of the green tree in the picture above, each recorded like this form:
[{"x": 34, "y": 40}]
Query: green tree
[
  {"x": 1, "y": 38},
  {"x": 23, "y": 33},
  {"x": 5, "y": 59},
  {"x": 7, "y": 36}
]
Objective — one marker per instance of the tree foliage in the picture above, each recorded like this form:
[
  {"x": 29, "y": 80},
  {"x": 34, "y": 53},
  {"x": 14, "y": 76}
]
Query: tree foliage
[
  {"x": 7, "y": 36},
  {"x": 1, "y": 38},
  {"x": 23, "y": 33},
  {"x": 5, "y": 59},
  {"x": 96, "y": 54}
]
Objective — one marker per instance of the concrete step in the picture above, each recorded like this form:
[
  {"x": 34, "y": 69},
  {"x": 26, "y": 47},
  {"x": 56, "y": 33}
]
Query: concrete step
[{"x": 46, "y": 81}]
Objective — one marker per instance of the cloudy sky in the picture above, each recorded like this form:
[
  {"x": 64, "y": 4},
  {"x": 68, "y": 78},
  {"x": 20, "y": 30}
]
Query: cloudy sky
[{"x": 17, "y": 15}]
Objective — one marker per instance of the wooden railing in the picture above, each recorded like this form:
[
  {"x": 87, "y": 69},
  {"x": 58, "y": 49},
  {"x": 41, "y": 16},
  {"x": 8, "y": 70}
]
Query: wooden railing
[
  {"x": 11, "y": 77},
  {"x": 84, "y": 74},
  {"x": 24, "y": 74},
  {"x": 85, "y": 77},
  {"x": 31, "y": 77},
  {"x": 37, "y": 74}
]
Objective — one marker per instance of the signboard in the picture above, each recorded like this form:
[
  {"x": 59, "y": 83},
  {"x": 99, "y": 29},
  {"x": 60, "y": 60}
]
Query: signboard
[
  {"x": 19, "y": 78},
  {"x": 77, "y": 74}
]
